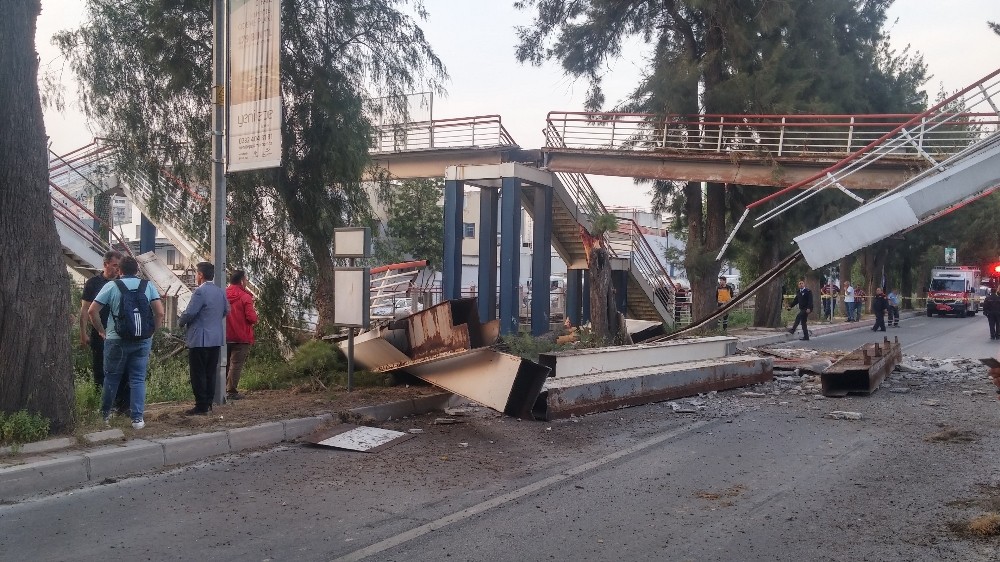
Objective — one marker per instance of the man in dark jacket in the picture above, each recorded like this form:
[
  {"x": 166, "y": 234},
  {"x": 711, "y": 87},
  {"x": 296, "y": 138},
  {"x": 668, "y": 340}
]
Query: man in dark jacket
[
  {"x": 803, "y": 298},
  {"x": 879, "y": 305},
  {"x": 991, "y": 310}
]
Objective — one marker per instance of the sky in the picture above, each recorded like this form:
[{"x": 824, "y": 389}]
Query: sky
[{"x": 477, "y": 46}]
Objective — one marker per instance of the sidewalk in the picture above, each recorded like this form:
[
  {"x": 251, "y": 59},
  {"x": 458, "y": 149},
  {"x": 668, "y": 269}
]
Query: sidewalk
[{"x": 58, "y": 464}]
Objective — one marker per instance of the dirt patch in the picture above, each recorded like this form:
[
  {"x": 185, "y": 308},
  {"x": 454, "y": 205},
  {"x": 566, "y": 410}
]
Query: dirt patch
[
  {"x": 982, "y": 526},
  {"x": 951, "y": 435},
  {"x": 262, "y": 406},
  {"x": 730, "y": 492}
]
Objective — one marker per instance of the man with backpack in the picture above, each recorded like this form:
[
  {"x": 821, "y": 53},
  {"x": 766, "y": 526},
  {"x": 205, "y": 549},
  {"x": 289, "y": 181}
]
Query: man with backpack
[
  {"x": 135, "y": 313},
  {"x": 204, "y": 319},
  {"x": 88, "y": 334}
]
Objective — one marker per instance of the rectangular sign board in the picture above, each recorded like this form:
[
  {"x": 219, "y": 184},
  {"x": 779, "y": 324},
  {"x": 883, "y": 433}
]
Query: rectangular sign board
[
  {"x": 351, "y": 297},
  {"x": 254, "y": 85},
  {"x": 352, "y": 242}
]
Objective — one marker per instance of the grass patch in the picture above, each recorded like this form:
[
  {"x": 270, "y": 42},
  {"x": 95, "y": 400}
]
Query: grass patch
[
  {"x": 530, "y": 347},
  {"x": 22, "y": 427}
]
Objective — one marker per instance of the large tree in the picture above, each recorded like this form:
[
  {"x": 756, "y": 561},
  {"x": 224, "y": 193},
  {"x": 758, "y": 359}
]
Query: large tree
[
  {"x": 34, "y": 294},
  {"x": 723, "y": 56},
  {"x": 144, "y": 68}
]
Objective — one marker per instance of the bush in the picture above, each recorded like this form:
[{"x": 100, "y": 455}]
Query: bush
[
  {"x": 22, "y": 427},
  {"x": 314, "y": 358}
]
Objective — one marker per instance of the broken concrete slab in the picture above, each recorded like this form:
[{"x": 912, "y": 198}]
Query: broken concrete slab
[
  {"x": 587, "y": 361},
  {"x": 586, "y": 394},
  {"x": 357, "y": 438}
]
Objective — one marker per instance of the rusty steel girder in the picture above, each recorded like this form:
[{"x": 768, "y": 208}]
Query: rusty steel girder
[{"x": 862, "y": 370}]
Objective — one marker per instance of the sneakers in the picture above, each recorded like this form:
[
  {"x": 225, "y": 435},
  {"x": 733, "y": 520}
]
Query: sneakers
[
  {"x": 107, "y": 419},
  {"x": 138, "y": 424}
]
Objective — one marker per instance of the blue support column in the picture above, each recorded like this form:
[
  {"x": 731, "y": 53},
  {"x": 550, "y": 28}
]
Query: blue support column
[
  {"x": 574, "y": 295},
  {"x": 510, "y": 249},
  {"x": 586, "y": 296},
  {"x": 619, "y": 280},
  {"x": 488, "y": 201},
  {"x": 541, "y": 261},
  {"x": 451, "y": 268},
  {"x": 147, "y": 235}
]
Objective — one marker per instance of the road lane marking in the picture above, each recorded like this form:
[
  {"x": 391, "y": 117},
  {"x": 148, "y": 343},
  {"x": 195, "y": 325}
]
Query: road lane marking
[{"x": 498, "y": 501}]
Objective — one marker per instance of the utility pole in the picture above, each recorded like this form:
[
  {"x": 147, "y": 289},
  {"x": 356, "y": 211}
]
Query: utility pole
[{"x": 219, "y": 172}]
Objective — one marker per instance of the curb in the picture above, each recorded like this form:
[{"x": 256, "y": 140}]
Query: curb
[
  {"x": 819, "y": 330},
  {"x": 97, "y": 465}
]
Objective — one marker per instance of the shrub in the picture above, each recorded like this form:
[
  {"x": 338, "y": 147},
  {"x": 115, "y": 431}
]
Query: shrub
[
  {"x": 314, "y": 358},
  {"x": 22, "y": 427}
]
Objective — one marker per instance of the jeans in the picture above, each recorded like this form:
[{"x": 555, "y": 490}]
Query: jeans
[
  {"x": 850, "y": 306},
  {"x": 97, "y": 359},
  {"x": 127, "y": 359}
]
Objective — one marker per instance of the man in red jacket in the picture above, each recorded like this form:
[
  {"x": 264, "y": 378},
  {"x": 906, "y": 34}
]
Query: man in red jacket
[{"x": 239, "y": 330}]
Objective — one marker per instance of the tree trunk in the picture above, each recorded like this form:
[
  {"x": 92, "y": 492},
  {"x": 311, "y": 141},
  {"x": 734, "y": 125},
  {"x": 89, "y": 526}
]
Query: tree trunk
[
  {"x": 768, "y": 301},
  {"x": 706, "y": 232},
  {"x": 34, "y": 293},
  {"x": 323, "y": 294},
  {"x": 599, "y": 270}
]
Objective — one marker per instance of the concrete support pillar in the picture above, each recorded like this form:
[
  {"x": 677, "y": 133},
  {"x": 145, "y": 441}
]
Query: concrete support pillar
[
  {"x": 147, "y": 235},
  {"x": 489, "y": 200},
  {"x": 586, "y": 296},
  {"x": 574, "y": 296},
  {"x": 541, "y": 261},
  {"x": 510, "y": 248},
  {"x": 451, "y": 266},
  {"x": 619, "y": 280}
]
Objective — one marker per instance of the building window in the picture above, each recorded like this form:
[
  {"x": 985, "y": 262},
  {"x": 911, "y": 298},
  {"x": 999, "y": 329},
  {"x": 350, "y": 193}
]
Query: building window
[
  {"x": 171, "y": 257},
  {"x": 469, "y": 230}
]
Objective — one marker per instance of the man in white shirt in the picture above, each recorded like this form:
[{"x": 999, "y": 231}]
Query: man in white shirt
[{"x": 849, "y": 301}]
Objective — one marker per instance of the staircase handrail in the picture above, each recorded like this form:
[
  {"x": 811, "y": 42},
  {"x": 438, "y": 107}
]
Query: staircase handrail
[{"x": 68, "y": 208}]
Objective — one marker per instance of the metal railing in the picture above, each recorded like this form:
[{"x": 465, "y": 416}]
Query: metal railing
[
  {"x": 483, "y": 131},
  {"x": 803, "y": 136},
  {"x": 641, "y": 255}
]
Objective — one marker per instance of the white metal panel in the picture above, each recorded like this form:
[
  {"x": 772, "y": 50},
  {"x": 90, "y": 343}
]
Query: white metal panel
[
  {"x": 350, "y": 297},
  {"x": 166, "y": 281},
  {"x": 858, "y": 229},
  {"x": 363, "y": 438}
]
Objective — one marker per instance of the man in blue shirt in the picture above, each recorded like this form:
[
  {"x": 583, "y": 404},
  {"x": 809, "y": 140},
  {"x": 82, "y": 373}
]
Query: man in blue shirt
[
  {"x": 204, "y": 318},
  {"x": 124, "y": 358}
]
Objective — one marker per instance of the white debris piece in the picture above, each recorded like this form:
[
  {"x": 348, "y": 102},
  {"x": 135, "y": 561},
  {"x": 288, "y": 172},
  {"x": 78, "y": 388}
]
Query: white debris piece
[{"x": 840, "y": 415}]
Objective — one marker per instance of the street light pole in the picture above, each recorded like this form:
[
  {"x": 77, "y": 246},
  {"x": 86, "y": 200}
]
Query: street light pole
[{"x": 219, "y": 18}]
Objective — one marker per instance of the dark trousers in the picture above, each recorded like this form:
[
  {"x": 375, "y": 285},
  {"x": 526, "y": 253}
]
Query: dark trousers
[
  {"x": 97, "y": 360},
  {"x": 993, "y": 319},
  {"x": 879, "y": 321},
  {"x": 725, "y": 317},
  {"x": 894, "y": 316},
  {"x": 204, "y": 364},
  {"x": 802, "y": 317}
]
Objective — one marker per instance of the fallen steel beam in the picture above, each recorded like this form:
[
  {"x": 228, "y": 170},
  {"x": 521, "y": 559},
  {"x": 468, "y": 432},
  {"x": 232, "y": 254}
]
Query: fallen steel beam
[
  {"x": 862, "y": 370},
  {"x": 600, "y": 392},
  {"x": 586, "y": 361}
]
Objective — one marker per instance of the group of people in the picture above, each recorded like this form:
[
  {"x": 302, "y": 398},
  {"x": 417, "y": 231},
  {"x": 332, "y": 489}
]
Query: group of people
[
  {"x": 882, "y": 305},
  {"x": 119, "y": 313}
]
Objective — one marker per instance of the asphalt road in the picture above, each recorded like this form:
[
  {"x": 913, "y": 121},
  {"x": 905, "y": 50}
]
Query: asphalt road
[
  {"x": 940, "y": 337},
  {"x": 751, "y": 477}
]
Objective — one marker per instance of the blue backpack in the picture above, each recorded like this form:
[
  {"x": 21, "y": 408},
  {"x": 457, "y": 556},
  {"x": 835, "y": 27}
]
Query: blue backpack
[{"x": 134, "y": 320}]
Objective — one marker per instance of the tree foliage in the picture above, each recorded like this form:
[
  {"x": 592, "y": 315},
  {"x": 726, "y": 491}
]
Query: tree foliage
[
  {"x": 414, "y": 227},
  {"x": 144, "y": 68},
  {"x": 37, "y": 374},
  {"x": 730, "y": 56}
]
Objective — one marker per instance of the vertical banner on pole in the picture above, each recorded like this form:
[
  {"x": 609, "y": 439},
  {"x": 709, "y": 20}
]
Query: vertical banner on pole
[{"x": 255, "y": 86}]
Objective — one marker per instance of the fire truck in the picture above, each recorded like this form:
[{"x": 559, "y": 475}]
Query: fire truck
[{"x": 953, "y": 291}]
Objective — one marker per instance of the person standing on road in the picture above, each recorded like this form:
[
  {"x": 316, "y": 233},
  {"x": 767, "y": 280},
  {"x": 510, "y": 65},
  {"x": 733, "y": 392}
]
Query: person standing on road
[
  {"x": 724, "y": 293},
  {"x": 894, "y": 301},
  {"x": 88, "y": 334},
  {"x": 803, "y": 298},
  {"x": 204, "y": 319},
  {"x": 126, "y": 358},
  {"x": 829, "y": 294},
  {"x": 849, "y": 300},
  {"x": 239, "y": 330},
  {"x": 991, "y": 310},
  {"x": 879, "y": 305}
]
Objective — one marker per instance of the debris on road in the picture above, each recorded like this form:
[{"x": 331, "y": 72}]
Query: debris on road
[
  {"x": 839, "y": 415},
  {"x": 862, "y": 370},
  {"x": 356, "y": 438}
]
